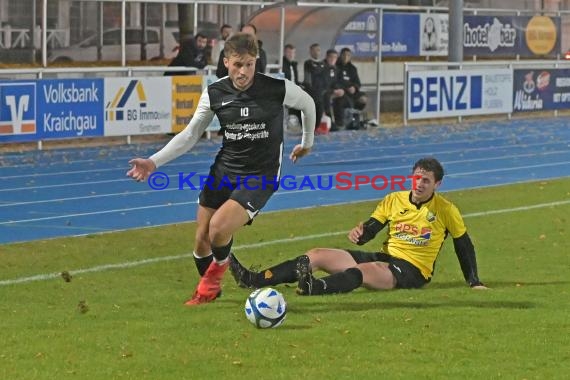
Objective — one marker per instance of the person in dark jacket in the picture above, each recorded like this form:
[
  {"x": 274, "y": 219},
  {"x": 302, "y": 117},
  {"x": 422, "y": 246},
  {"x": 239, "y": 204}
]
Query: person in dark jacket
[
  {"x": 225, "y": 32},
  {"x": 289, "y": 64},
  {"x": 332, "y": 89},
  {"x": 192, "y": 53},
  {"x": 349, "y": 81},
  {"x": 313, "y": 79},
  {"x": 313, "y": 68}
]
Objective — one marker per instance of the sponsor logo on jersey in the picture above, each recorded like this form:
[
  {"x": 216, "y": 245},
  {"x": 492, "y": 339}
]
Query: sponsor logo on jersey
[{"x": 425, "y": 233}]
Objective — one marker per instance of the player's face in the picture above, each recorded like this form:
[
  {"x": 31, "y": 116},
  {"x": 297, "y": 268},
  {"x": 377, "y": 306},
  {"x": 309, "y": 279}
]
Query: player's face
[
  {"x": 241, "y": 69},
  {"x": 425, "y": 185}
]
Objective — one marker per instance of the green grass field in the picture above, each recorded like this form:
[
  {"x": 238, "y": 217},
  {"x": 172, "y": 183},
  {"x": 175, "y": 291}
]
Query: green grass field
[{"x": 128, "y": 322}]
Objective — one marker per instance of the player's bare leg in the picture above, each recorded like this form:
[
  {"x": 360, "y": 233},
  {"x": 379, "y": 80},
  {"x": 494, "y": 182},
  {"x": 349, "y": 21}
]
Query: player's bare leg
[
  {"x": 202, "y": 250},
  {"x": 377, "y": 276},
  {"x": 345, "y": 274},
  {"x": 330, "y": 260},
  {"x": 223, "y": 223}
]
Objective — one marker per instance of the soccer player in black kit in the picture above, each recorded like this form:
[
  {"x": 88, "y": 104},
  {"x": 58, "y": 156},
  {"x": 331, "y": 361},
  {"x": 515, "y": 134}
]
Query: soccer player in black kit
[{"x": 249, "y": 106}]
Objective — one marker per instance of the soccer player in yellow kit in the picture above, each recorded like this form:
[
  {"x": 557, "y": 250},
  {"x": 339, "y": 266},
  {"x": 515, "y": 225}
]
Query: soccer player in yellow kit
[{"x": 419, "y": 221}]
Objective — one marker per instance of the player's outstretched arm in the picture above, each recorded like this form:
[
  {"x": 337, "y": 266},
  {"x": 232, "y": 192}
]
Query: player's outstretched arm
[
  {"x": 141, "y": 168},
  {"x": 181, "y": 143}
]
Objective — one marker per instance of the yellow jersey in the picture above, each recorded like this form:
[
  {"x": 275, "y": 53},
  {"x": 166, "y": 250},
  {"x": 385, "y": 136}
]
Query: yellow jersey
[{"x": 417, "y": 233}]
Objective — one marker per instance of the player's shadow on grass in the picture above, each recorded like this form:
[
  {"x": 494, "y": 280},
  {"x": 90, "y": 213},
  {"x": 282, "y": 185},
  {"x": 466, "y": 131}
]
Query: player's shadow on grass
[
  {"x": 495, "y": 284},
  {"x": 340, "y": 305}
]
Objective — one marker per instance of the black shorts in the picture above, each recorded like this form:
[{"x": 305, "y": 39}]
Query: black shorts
[
  {"x": 252, "y": 194},
  {"x": 407, "y": 275}
]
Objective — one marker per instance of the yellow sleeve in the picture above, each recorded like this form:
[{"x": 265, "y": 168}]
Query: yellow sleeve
[
  {"x": 454, "y": 222},
  {"x": 382, "y": 211}
]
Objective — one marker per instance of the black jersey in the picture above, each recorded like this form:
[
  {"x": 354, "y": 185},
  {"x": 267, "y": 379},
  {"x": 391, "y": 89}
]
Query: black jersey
[{"x": 252, "y": 124}]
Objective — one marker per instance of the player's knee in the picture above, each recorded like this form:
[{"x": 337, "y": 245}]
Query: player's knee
[
  {"x": 314, "y": 254},
  {"x": 214, "y": 232},
  {"x": 314, "y": 257},
  {"x": 318, "y": 258},
  {"x": 218, "y": 233}
]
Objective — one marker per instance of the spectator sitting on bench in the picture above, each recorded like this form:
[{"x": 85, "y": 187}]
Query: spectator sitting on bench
[
  {"x": 353, "y": 98},
  {"x": 332, "y": 89}
]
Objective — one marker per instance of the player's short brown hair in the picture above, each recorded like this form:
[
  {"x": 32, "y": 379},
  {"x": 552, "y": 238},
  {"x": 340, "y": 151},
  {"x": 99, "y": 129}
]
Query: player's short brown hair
[{"x": 240, "y": 44}]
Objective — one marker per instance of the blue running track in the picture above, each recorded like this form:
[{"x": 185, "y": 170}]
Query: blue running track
[{"x": 67, "y": 192}]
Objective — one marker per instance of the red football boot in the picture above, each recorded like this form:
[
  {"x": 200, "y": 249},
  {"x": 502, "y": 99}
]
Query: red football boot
[{"x": 210, "y": 286}]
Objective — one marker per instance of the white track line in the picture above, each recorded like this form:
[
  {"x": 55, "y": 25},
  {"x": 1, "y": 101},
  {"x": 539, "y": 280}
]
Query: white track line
[
  {"x": 131, "y": 264},
  {"x": 316, "y": 151},
  {"x": 10, "y": 222}
]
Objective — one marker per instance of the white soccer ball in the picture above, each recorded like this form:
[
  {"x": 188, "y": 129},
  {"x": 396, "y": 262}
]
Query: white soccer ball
[{"x": 265, "y": 308}]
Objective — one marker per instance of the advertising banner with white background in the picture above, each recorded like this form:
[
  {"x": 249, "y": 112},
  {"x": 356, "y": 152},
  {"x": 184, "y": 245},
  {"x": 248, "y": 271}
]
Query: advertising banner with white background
[
  {"x": 449, "y": 93},
  {"x": 434, "y": 35},
  {"x": 137, "y": 106}
]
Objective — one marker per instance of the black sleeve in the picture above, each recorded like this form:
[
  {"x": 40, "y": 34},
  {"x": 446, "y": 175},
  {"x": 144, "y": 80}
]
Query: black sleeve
[
  {"x": 466, "y": 255},
  {"x": 371, "y": 229},
  {"x": 261, "y": 63},
  {"x": 187, "y": 56},
  {"x": 296, "y": 73},
  {"x": 221, "y": 70},
  {"x": 286, "y": 69},
  {"x": 172, "y": 63},
  {"x": 338, "y": 82},
  {"x": 200, "y": 60},
  {"x": 307, "y": 80},
  {"x": 356, "y": 79}
]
